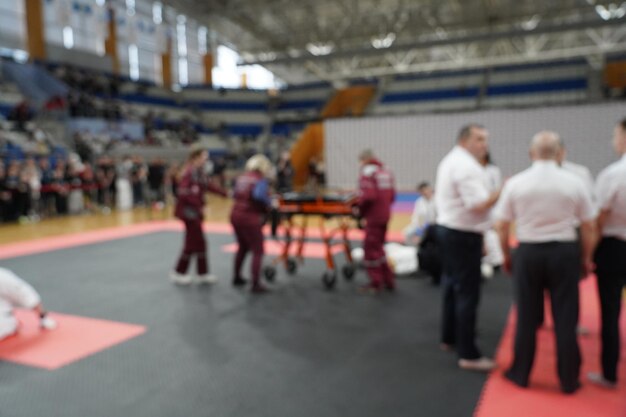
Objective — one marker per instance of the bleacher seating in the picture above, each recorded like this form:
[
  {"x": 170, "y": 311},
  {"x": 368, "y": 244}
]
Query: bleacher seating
[{"x": 511, "y": 86}]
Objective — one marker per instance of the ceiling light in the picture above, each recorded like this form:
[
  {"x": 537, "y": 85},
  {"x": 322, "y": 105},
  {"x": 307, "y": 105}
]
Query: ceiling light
[
  {"x": 531, "y": 23},
  {"x": 603, "y": 12},
  {"x": 384, "y": 41},
  {"x": 318, "y": 49}
]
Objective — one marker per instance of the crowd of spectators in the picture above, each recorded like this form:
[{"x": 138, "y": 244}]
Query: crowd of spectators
[{"x": 40, "y": 187}]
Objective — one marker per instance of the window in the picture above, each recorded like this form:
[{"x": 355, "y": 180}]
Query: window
[{"x": 12, "y": 25}]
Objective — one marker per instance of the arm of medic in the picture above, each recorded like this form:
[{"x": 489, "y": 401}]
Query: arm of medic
[
  {"x": 215, "y": 189},
  {"x": 367, "y": 194}
]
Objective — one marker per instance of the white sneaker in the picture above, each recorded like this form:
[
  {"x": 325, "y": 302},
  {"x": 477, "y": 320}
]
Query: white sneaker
[
  {"x": 180, "y": 279},
  {"x": 597, "y": 379},
  {"x": 206, "y": 279},
  {"x": 479, "y": 365}
]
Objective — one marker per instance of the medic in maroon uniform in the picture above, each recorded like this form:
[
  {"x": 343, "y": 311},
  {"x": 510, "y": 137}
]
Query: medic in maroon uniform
[
  {"x": 252, "y": 202},
  {"x": 192, "y": 184},
  {"x": 376, "y": 195}
]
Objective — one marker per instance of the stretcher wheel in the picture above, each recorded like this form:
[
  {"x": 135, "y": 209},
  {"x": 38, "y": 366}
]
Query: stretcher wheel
[
  {"x": 291, "y": 266},
  {"x": 329, "y": 279},
  {"x": 348, "y": 271},
  {"x": 269, "y": 272}
]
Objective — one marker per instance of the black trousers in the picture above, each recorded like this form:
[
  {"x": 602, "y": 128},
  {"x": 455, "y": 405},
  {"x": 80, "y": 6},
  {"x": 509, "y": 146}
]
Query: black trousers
[
  {"x": 554, "y": 266},
  {"x": 461, "y": 255},
  {"x": 610, "y": 259}
]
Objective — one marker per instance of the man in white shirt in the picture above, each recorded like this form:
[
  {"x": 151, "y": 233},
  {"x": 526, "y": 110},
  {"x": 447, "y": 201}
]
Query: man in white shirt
[
  {"x": 610, "y": 256},
  {"x": 546, "y": 202},
  {"x": 15, "y": 292},
  {"x": 463, "y": 202},
  {"x": 581, "y": 171},
  {"x": 424, "y": 215}
]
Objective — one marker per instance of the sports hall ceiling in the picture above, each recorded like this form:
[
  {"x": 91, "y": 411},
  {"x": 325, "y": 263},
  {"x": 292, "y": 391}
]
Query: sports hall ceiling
[{"x": 334, "y": 40}]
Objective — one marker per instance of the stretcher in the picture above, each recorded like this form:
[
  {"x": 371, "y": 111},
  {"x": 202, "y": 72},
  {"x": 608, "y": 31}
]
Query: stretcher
[{"x": 337, "y": 208}]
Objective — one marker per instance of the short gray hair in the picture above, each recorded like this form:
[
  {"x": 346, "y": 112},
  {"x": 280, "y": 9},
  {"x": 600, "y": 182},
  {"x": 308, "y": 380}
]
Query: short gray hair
[{"x": 546, "y": 144}]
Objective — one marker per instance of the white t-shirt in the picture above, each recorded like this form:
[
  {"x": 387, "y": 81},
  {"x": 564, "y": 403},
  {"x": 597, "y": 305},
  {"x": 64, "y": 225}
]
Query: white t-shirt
[
  {"x": 546, "y": 202},
  {"x": 461, "y": 187},
  {"x": 611, "y": 195},
  {"x": 494, "y": 177},
  {"x": 15, "y": 292},
  {"x": 424, "y": 213},
  {"x": 581, "y": 171}
]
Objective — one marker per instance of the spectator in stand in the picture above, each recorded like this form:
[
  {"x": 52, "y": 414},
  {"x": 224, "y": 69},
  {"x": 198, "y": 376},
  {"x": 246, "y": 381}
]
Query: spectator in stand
[
  {"x": 219, "y": 171},
  {"x": 171, "y": 179},
  {"x": 60, "y": 188},
  {"x": 47, "y": 195},
  {"x": 5, "y": 195},
  {"x": 105, "y": 179},
  {"x": 139, "y": 174},
  {"x": 90, "y": 187},
  {"x": 156, "y": 182},
  {"x": 32, "y": 175},
  {"x": 21, "y": 114},
  {"x": 12, "y": 186}
]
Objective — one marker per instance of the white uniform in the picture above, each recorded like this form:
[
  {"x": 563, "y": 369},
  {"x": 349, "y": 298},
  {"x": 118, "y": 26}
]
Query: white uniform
[
  {"x": 424, "y": 214},
  {"x": 14, "y": 292},
  {"x": 582, "y": 172},
  {"x": 493, "y": 251},
  {"x": 494, "y": 177},
  {"x": 611, "y": 195},
  {"x": 540, "y": 213},
  {"x": 461, "y": 187}
]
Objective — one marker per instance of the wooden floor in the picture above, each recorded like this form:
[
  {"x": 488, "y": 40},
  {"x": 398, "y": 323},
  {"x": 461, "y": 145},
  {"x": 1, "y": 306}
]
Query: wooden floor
[{"x": 217, "y": 210}]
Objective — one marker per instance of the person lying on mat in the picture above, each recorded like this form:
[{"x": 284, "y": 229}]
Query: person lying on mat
[{"x": 15, "y": 292}]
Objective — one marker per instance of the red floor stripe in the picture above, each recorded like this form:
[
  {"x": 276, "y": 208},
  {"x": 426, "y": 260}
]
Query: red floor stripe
[
  {"x": 78, "y": 239},
  {"x": 13, "y": 250},
  {"x": 543, "y": 398}
]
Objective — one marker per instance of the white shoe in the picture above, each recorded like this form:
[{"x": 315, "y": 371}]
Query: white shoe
[
  {"x": 180, "y": 279},
  {"x": 206, "y": 279},
  {"x": 480, "y": 365},
  {"x": 597, "y": 379}
]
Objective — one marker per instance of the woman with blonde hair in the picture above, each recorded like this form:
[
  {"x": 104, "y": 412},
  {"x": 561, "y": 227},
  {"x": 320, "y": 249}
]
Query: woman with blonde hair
[
  {"x": 252, "y": 201},
  {"x": 192, "y": 184}
]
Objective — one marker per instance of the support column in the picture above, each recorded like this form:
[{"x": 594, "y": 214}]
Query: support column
[
  {"x": 35, "y": 29},
  {"x": 208, "y": 69},
  {"x": 110, "y": 44},
  {"x": 166, "y": 64}
]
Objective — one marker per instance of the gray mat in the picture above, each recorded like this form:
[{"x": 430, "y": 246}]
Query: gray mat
[{"x": 219, "y": 351}]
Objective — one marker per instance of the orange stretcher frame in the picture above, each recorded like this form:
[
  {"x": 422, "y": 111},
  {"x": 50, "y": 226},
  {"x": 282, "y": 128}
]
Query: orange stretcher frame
[{"x": 339, "y": 208}]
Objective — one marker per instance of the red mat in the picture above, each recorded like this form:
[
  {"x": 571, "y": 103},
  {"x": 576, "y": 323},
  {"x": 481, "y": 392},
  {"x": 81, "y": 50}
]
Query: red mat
[
  {"x": 311, "y": 249},
  {"x": 74, "y": 338},
  {"x": 543, "y": 398}
]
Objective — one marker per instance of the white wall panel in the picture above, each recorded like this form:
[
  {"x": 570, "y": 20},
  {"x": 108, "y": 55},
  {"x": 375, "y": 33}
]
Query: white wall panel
[{"x": 412, "y": 146}]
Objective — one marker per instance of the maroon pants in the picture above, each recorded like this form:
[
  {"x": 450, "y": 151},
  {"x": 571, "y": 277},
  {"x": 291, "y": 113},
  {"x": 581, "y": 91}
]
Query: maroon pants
[
  {"x": 249, "y": 239},
  {"x": 195, "y": 244},
  {"x": 375, "y": 260}
]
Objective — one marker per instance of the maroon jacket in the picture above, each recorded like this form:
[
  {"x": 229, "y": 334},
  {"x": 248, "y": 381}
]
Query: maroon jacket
[
  {"x": 190, "y": 191},
  {"x": 376, "y": 193},
  {"x": 247, "y": 209}
]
